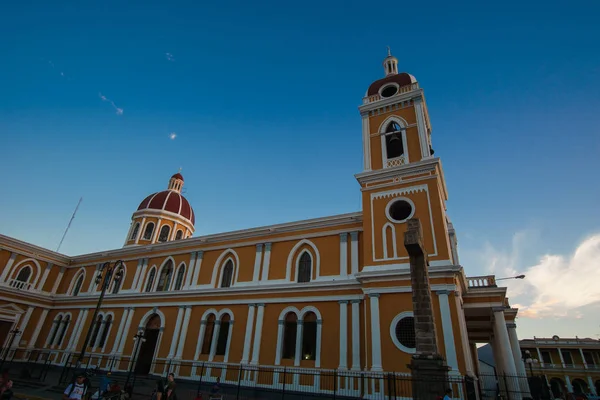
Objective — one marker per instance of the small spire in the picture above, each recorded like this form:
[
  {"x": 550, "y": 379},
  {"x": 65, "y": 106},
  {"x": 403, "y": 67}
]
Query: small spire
[{"x": 179, "y": 169}]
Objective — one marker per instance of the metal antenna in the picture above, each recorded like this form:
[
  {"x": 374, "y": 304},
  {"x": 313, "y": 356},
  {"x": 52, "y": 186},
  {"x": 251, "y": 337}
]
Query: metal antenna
[{"x": 68, "y": 226}]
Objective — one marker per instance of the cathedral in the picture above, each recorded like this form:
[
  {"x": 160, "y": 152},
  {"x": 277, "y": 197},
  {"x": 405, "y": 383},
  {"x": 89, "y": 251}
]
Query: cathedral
[{"x": 331, "y": 293}]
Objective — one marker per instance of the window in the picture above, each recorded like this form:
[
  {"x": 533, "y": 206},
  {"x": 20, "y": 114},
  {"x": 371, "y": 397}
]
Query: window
[
  {"x": 148, "y": 231},
  {"x": 164, "y": 279},
  {"x": 304, "y": 267},
  {"x": 107, "y": 324},
  {"x": 389, "y": 91},
  {"x": 309, "y": 336},
  {"x": 404, "y": 333},
  {"x": 92, "y": 342},
  {"x": 164, "y": 233},
  {"x": 65, "y": 323},
  {"x": 290, "y": 328},
  {"x": 180, "y": 276},
  {"x": 24, "y": 274},
  {"x": 150, "y": 279},
  {"x": 208, "y": 334},
  {"x": 547, "y": 359},
  {"x": 589, "y": 358},
  {"x": 567, "y": 357},
  {"x": 135, "y": 231},
  {"x": 227, "y": 274},
  {"x": 399, "y": 210},
  {"x": 393, "y": 140},
  {"x": 223, "y": 336},
  {"x": 78, "y": 284},
  {"x": 57, "y": 327},
  {"x": 179, "y": 235},
  {"x": 116, "y": 286}
]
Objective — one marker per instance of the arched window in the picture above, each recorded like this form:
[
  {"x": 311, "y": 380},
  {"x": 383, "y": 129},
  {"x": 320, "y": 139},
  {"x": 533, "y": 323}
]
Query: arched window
[
  {"x": 393, "y": 140},
  {"x": 57, "y": 327},
  {"x": 289, "y": 335},
  {"x": 179, "y": 235},
  {"x": 24, "y": 274},
  {"x": 65, "y": 323},
  {"x": 164, "y": 233},
  {"x": 151, "y": 276},
  {"x": 135, "y": 231},
  {"x": 227, "y": 274},
  {"x": 78, "y": 284},
  {"x": 223, "y": 336},
  {"x": 107, "y": 323},
  {"x": 149, "y": 230},
  {"x": 180, "y": 276},
  {"x": 309, "y": 336},
  {"x": 304, "y": 267},
  {"x": 208, "y": 334},
  {"x": 164, "y": 280},
  {"x": 96, "y": 331},
  {"x": 116, "y": 286}
]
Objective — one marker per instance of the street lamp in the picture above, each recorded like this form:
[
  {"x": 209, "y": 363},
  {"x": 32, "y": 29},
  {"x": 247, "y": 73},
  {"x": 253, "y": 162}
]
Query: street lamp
[
  {"x": 529, "y": 361},
  {"x": 138, "y": 339},
  {"x": 512, "y": 277},
  {"x": 108, "y": 269}
]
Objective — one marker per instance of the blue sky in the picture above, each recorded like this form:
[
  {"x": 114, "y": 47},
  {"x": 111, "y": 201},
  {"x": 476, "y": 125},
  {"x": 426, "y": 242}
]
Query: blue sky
[{"x": 263, "y": 99}]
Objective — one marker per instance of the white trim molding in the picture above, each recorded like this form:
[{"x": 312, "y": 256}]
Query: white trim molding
[{"x": 398, "y": 318}]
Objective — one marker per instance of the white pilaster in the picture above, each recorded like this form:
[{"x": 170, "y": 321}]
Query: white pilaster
[
  {"x": 592, "y": 386},
  {"x": 42, "y": 282},
  {"x": 215, "y": 339},
  {"x": 92, "y": 284},
  {"x": 518, "y": 359},
  {"x": 156, "y": 231},
  {"x": 568, "y": 382},
  {"x": 38, "y": 328},
  {"x": 126, "y": 330},
  {"x": 354, "y": 253},
  {"x": 77, "y": 328},
  {"x": 356, "y": 335},
  {"x": 200, "y": 339},
  {"x": 141, "y": 231},
  {"x": 55, "y": 326},
  {"x": 266, "y": 263},
  {"x": 343, "y": 254},
  {"x": 343, "y": 334},
  {"x": 138, "y": 272},
  {"x": 228, "y": 344},
  {"x": 464, "y": 334},
  {"x": 583, "y": 358},
  {"x": 174, "y": 231},
  {"x": 120, "y": 331},
  {"x": 199, "y": 257},
  {"x": 58, "y": 280},
  {"x": 508, "y": 363},
  {"x": 8, "y": 266},
  {"x": 257, "y": 259},
  {"x": 448, "y": 331},
  {"x": 318, "y": 346},
  {"x": 139, "y": 287},
  {"x": 25, "y": 320},
  {"x": 176, "y": 333},
  {"x": 562, "y": 360},
  {"x": 248, "y": 336},
  {"x": 299, "y": 330},
  {"x": 280, "y": 325},
  {"x": 190, "y": 271},
  {"x": 421, "y": 127},
  {"x": 366, "y": 142},
  {"x": 183, "y": 331},
  {"x": 258, "y": 334},
  {"x": 541, "y": 360},
  {"x": 375, "y": 333}
]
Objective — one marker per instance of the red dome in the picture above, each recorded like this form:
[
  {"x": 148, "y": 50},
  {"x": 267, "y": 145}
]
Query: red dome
[
  {"x": 177, "y": 176},
  {"x": 402, "y": 79},
  {"x": 169, "y": 200}
]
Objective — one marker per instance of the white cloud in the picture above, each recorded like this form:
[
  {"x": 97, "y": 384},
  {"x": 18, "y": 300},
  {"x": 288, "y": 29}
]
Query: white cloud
[
  {"x": 169, "y": 56},
  {"x": 118, "y": 110},
  {"x": 172, "y": 135}
]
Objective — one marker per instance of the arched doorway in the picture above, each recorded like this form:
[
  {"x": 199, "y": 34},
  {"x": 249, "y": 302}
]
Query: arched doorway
[
  {"x": 147, "y": 349},
  {"x": 579, "y": 386},
  {"x": 556, "y": 385}
]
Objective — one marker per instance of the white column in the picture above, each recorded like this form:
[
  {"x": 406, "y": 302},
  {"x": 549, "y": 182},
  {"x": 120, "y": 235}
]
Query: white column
[
  {"x": 200, "y": 339},
  {"x": 354, "y": 253},
  {"x": 183, "y": 331},
  {"x": 280, "y": 325},
  {"x": 190, "y": 271},
  {"x": 126, "y": 330},
  {"x": 421, "y": 127},
  {"x": 55, "y": 326},
  {"x": 93, "y": 278},
  {"x": 568, "y": 382},
  {"x": 8, "y": 266},
  {"x": 540, "y": 359},
  {"x": 464, "y": 334},
  {"x": 366, "y": 141},
  {"x": 138, "y": 272},
  {"x": 42, "y": 282},
  {"x": 508, "y": 363},
  {"x": 448, "y": 331},
  {"x": 583, "y": 358},
  {"x": 318, "y": 347},
  {"x": 199, "y": 257},
  {"x": 174, "y": 231},
  {"x": 228, "y": 344},
  {"x": 58, "y": 280},
  {"x": 356, "y": 335},
  {"x": 343, "y": 334},
  {"x": 176, "y": 333},
  {"x": 25, "y": 320},
  {"x": 258, "y": 334},
  {"x": 248, "y": 336},
  {"x": 215, "y": 339},
  {"x": 299, "y": 329},
  {"x": 119, "y": 331},
  {"x": 562, "y": 360},
  {"x": 257, "y": 259},
  {"x": 77, "y": 328},
  {"x": 517, "y": 357},
  {"x": 156, "y": 230},
  {"x": 266, "y": 262},
  {"x": 343, "y": 254},
  {"x": 375, "y": 333},
  {"x": 141, "y": 231},
  {"x": 592, "y": 386},
  {"x": 38, "y": 328}
]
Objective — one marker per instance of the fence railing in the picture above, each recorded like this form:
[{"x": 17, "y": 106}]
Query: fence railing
[{"x": 481, "y": 281}]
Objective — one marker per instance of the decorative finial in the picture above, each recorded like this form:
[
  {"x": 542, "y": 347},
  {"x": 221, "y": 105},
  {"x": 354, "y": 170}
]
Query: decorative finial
[
  {"x": 179, "y": 169},
  {"x": 389, "y": 51}
]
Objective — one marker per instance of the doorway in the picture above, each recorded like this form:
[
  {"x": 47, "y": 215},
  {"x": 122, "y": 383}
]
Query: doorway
[
  {"x": 147, "y": 349},
  {"x": 5, "y": 327}
]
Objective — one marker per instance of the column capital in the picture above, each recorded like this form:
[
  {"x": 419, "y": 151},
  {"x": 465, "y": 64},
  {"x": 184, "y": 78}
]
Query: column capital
[
  {"x": 268, "y": 246},
  {"x": 355, "y": 301},
  {"x": 344, "y": 236},
  {"x": 374, "y": 295},
  {"x": 193, "y": 254},
  {"x": 251, "y": 305},
  {"x": 511, "y": 325},
  {"x": 300, "y": 322},
  {"x": 343, "y": 302},
  {"x": 200, "y": 254},
  {"x": 218, "y": 322},
  {"x": 498, "y": 309},
  {"x": 442, "y": 292},
  {"x": 354, "y": 235},
  {"x": 259, "y": 247},
  {"x": 261, "y": 305}
]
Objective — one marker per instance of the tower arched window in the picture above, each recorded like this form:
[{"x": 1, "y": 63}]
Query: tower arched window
[
  {"x": 24, "y": 274},
  {"x": 309, "y": 336},
  {"x": 290, "y": 329},
  {"x": 150, "y": 282},
  {"x": 179, "y": 279},
  {"x": 394, "y": 143},
  {"x": 164, "y": 280},
  {"x": 163, "y": 236},
  {"x": 136, "y": 229},
  {"x": 78, "y": 284},
  {"x": 208, "y": 334},
  {"x": 223, "y": 335},
  {"x": 107, "y": 323},
  {"x": 304, "y": 267},
  {"x": 148, "y": 231},
  {"x": 227, "y": 274},
  {"x": 179, "y": 235}
]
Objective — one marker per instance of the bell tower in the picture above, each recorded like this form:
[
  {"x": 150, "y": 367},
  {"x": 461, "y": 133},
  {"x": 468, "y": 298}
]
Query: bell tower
[{"x": 401, "y": 178}]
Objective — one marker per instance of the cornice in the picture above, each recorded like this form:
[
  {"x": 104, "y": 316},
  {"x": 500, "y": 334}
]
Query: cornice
[
  {"x": 419, "y": 167},
  {"x": 33, "y": 251},
  {"x": 168, "y": 215},
  {"x": 384, "y": 102}
]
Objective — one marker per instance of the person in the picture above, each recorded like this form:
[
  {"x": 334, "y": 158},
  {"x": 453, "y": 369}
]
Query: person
[
  {"x": 159, "y": 390},
  {"x": 76, "y": 390},
  {"x": 104, "y": 384},
  {"x": 448, "y": 395},
  {"x": 216, "y": 389},
  {"x": 170, "y": 389},
  {"x": 6, "y": 392}
]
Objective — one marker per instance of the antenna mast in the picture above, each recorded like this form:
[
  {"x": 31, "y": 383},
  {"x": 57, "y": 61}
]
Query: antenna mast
[{"x": 68, "y": 226}]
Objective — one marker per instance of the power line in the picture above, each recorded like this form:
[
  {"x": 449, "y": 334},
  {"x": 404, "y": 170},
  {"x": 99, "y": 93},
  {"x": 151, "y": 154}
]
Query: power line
[{"x": 69, "y": 225}]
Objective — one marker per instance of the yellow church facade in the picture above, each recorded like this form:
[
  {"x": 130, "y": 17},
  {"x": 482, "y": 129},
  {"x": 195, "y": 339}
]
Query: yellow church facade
[{"x": 329, "y": 293}]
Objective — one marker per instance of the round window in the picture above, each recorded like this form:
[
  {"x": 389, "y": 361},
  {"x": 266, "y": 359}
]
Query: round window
[
  {"x": 400, "y": 210},
  {"x": 405, "y": 332},
  {"x": 389, "y": 91}
]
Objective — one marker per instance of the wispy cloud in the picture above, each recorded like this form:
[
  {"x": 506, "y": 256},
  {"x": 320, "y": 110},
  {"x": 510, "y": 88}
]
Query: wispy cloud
[
  {"x": 172, "y": 135},
  {"x": 169, "y": 57},
  {"x": 118, "y": 110}
]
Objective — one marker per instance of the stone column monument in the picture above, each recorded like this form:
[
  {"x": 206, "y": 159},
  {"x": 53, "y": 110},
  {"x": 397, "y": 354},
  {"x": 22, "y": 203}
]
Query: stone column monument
[{"x": 429, "y": 369}]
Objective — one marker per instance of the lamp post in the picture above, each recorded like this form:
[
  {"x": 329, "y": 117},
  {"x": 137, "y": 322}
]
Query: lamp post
[
  {"x": 14, "y": 334},
  {"x": 108, "y": 269},
  {"x": 138, "y": 339},
  {"x": 511, "y": 277}
]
